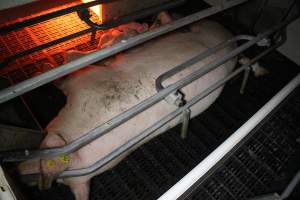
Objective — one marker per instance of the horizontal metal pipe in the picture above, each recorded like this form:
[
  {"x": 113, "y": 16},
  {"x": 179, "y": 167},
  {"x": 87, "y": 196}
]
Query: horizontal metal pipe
[
  {"x": 226, "y": 147},
  {"x": 194, "y": 60},
  {"x": 128, "y": 114},
  {"x": 77, "y": 64}
]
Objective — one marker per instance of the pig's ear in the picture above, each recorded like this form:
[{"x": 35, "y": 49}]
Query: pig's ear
[
  {"x": 53, "y": 140},
  {"x": 195, "y": 27},
  {"x": 71, "y": 55}
]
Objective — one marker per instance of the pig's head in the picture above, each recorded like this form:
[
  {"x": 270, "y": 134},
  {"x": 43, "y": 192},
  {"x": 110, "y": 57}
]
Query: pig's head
[{"x": 47, "y": 168}]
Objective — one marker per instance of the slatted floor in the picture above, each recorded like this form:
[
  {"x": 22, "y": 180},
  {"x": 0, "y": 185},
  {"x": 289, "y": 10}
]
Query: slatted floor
[{"x": 264, "y": 164}]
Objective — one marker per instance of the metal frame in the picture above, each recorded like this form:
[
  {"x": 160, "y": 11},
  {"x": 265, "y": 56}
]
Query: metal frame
[
  {"x": 146, "y": 133},
  {"x": 30, "y": 84},
  {"x": 130, "y": 113}
]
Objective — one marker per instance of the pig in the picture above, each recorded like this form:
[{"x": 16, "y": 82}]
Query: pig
[{"x": 99, "y": 92}]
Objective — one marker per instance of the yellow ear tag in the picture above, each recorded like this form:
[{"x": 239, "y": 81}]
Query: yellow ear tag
[
  {"x": 64, "y": 159},
  {"x": 50, "y": 163}
]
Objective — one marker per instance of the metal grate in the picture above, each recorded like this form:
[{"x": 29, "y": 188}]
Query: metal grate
[{"x": 38, "y": 34}]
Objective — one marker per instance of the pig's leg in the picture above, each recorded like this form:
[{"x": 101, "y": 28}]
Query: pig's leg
[
  {"x": 161, "y": 19},
  {"x": 81, "y": 191},
  {"x": 257, "y": 69}
]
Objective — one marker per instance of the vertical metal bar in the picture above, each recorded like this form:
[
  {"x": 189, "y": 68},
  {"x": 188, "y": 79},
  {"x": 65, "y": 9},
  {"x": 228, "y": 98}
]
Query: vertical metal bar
[
  {"x": 186, "y": 115},
  {"x": 245, "y": 79}
]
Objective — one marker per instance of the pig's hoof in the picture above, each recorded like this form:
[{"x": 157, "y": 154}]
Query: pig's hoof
[{"x": 259, "y": 71}]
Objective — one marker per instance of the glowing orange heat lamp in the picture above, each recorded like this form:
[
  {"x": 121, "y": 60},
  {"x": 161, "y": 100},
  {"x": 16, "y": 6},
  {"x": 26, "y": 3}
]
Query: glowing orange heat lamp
[{"x": 96, "y": 9}]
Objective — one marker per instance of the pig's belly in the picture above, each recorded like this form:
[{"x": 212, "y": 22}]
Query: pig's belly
[{"x": 97, "y": 94}]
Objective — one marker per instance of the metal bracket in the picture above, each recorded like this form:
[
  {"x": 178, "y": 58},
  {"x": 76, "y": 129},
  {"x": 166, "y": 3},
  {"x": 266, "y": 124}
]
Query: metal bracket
[
  {"x": 265, "y": 42},
  {"x": 175, "y": 98},
  {"x": 178, "y": 100}
]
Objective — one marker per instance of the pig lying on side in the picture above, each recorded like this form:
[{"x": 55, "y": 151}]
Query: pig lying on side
[{"x": 98, "y": 93}]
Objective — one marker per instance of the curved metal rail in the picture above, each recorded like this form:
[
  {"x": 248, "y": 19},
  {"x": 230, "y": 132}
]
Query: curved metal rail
[{"x": 194, "y": 60}]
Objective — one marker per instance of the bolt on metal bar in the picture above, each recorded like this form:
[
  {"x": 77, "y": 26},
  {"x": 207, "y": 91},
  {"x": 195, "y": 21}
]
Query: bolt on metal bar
[
  {"x": 130, "y": 113},
  {"x": 77, "y": 64}
]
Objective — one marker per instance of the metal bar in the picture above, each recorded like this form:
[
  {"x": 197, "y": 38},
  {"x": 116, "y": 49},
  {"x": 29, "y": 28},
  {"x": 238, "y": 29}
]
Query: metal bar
[
  {"x": 70, "y": 67},
  {"x": 130, "y": 113},
  {"x": 35, "y": 20},
  {"x": 210, "y": 161},
  {"x": 245, "y": 80},
  {"x": 181, "y": 67},
  {"x": 186, "y": 115},
  {"x": 120, "y": 150}
]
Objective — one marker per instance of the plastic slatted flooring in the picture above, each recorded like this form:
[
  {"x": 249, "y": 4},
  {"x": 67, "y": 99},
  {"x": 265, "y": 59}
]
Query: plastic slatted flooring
[{"x": 253, "y": 169}]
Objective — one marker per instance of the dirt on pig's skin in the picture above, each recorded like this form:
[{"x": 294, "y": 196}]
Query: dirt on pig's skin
[{"x": 99, "y": 93}]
